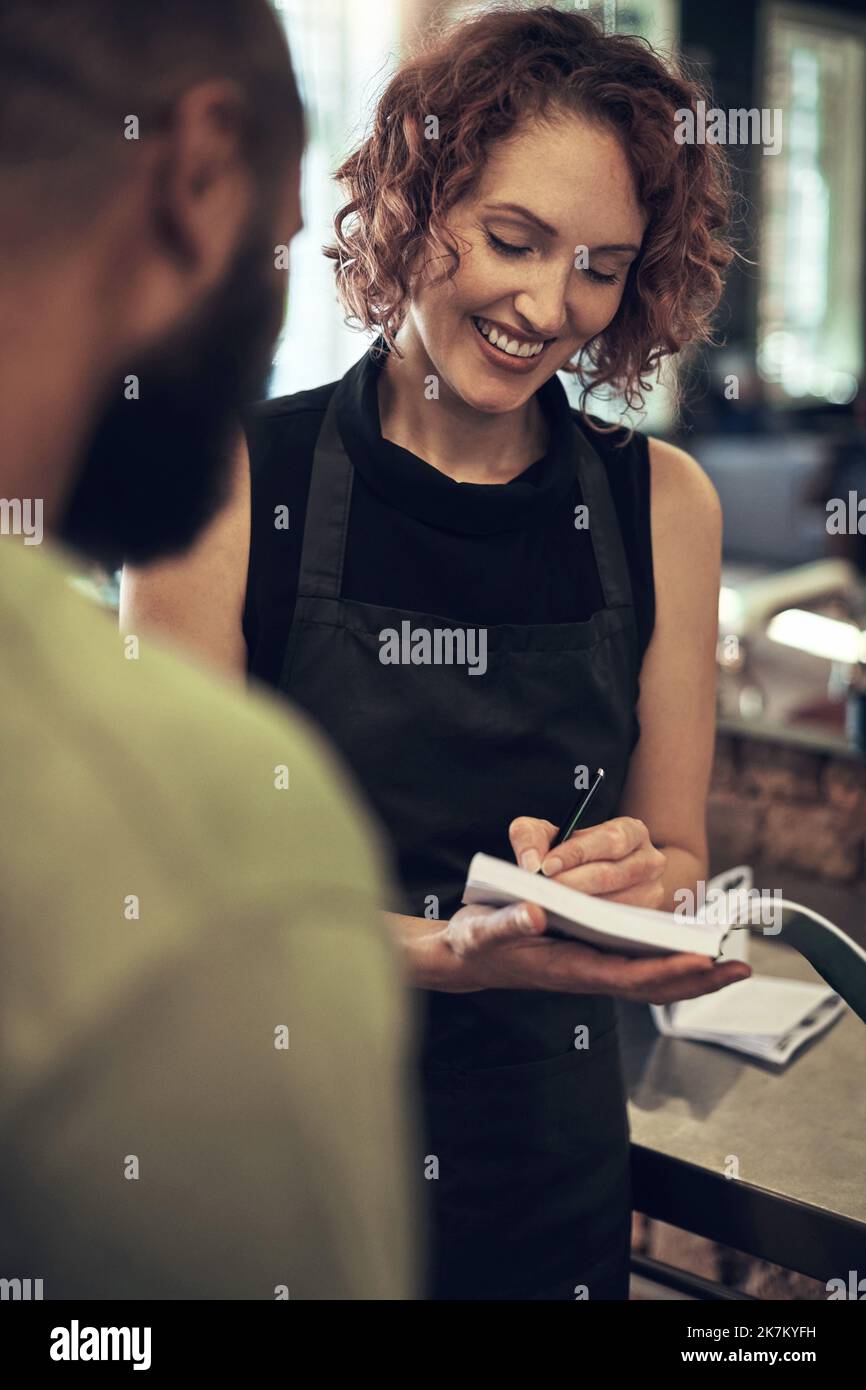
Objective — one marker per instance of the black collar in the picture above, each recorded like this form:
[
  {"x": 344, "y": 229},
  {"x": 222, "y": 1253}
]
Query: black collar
[{"x": 406, "y": 482}]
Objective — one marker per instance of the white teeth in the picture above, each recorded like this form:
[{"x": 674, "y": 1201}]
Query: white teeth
[{"x": 512, "y": 346}]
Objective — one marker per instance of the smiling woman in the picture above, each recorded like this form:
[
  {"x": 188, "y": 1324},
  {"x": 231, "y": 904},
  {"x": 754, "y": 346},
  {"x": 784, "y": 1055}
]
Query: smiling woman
[
  {"x": 553, "y": 224},
  {"x": 520, "y": 232},
  {"x": 578, "y": 125}
]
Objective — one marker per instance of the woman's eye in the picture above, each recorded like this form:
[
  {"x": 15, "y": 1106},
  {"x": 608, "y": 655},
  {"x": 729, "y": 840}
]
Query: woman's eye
[
  {"x": 598, "y": 278},
  {"x": 506, "y": 248}
]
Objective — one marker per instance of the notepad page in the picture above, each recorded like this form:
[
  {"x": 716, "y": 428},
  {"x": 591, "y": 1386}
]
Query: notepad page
[{"x": 761, "y": 1006}]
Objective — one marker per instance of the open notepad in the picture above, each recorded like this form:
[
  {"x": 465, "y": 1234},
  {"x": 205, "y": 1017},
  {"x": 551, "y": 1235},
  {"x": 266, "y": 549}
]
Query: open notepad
[
  {"x": 763, "y": 1016},
  {"x": 633, "y": 931}
]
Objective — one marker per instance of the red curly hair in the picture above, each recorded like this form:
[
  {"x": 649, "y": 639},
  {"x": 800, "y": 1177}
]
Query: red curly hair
[{"x": 482, "y": 77}]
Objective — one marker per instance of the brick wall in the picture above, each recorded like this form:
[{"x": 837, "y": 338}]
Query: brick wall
[{"x": 778, "y": 801}]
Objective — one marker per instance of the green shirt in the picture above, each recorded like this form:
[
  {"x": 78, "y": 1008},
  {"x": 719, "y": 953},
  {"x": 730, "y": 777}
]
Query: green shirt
[{"x": 204, "y": 1089}]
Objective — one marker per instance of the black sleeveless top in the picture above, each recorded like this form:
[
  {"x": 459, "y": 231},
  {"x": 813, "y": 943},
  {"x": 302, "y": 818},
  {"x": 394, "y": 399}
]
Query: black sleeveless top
[{"x": 481, "y": 554}]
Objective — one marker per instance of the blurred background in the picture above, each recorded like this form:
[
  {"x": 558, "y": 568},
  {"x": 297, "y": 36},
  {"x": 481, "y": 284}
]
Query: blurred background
[{"x": 776, "y": 411}]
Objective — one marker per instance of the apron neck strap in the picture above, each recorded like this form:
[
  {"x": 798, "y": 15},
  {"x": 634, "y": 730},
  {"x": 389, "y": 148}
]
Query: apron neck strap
[
  {"x": 605, "y": 532},
  {"x": 327, "y": 517}
]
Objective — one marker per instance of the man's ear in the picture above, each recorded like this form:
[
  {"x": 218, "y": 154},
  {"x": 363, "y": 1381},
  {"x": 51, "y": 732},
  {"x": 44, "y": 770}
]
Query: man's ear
[
  {"x": 206, "y": 186},
  {"x": 199, "y": 195}
]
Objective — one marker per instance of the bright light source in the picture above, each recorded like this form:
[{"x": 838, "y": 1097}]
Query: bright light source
[
  {"x": 843, "y": 388},
  {"x": 730, "y": 608},
  {"x": 819, "y": 636}
]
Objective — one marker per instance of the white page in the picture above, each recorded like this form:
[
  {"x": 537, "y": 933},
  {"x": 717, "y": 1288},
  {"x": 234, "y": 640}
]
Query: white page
[
  {"x": 639, "y": 930},
  {"x": 761, "y": 1006}
]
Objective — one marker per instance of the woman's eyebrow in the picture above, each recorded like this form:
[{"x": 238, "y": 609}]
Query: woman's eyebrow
[
  {"x": 525, "y": 214},
  {"x": 615, "y": 246},
  {"x": 545, "y": 227}
]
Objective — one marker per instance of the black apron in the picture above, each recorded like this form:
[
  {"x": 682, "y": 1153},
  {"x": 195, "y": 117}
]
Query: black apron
[{"x": 527, "y": 1146}]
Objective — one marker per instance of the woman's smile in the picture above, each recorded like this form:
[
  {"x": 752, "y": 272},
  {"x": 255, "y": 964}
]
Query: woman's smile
[{"x": 508, "y": 348}]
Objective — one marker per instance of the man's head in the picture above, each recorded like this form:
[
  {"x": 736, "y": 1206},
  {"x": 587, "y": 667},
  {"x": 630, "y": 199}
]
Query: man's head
[{"x": 151, "y": 149}]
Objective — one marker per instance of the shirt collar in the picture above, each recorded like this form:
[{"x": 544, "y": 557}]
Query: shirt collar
[{"x": 407, "y": 482}]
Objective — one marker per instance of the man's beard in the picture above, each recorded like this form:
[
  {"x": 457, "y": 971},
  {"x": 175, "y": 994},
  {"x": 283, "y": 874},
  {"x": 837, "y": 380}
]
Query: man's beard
[{"x": 156, "y": 468}]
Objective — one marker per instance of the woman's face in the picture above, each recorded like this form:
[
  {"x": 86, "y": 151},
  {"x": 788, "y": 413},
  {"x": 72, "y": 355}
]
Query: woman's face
[{"x": 547, "y": 238}]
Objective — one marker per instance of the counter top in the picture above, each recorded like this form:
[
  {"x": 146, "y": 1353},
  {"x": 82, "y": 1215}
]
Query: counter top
[
  {"x": 812, "y": 737},
  {"x": 798, "y": 1134}
]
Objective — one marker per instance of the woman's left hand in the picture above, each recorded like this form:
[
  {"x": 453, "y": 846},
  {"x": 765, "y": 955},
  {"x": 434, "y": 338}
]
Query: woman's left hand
[{"x": 615, "y": 860}]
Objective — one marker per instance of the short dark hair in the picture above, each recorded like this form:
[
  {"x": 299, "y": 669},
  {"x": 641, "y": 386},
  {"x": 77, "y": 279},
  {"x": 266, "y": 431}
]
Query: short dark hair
[{"x": 72, "y": 71}]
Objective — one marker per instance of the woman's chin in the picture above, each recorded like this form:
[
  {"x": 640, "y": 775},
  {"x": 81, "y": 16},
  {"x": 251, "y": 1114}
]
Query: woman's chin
[{"x": 494, "y": 398}]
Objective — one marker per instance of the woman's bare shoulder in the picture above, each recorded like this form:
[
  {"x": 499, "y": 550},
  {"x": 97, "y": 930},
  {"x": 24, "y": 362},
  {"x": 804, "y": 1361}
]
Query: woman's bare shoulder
[{"x": 680, "y": 485}]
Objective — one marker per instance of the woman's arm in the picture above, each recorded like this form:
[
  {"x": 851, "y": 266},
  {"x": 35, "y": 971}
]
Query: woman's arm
[
  {"x": 658, "y": 843},
  {"x": 197, "y": 599},
  {"x": 669, "y": 775}
]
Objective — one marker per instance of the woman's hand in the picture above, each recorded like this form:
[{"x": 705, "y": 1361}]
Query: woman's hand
[
  {"x": 505, "y": 948},
  {"x": 615, "y": 860}
]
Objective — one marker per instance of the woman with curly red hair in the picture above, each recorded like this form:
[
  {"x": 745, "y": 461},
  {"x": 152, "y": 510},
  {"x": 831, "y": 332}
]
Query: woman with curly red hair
[{"x": 520, "y": 208}]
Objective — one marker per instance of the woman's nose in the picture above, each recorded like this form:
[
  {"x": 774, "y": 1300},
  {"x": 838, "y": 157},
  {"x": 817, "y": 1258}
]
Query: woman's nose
[{"x": 544, "y": 307}]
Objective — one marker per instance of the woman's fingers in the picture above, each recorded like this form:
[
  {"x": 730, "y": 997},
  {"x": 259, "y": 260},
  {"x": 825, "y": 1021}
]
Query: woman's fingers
[
  {"x": 649, "y": 894},
  {"x": 615, "y": 860},
  {"x": 497, "y": 939},
  {"x": 690, "y": 987},
  {"x": 667, "y": 979},
  {"x": 612, "y": 839},
  {"x": 607, "y": 877},
  {"x": 530, "y": 839},
  {"x": 570, "y": 967},
  {"x": 477, "y": 928}
]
